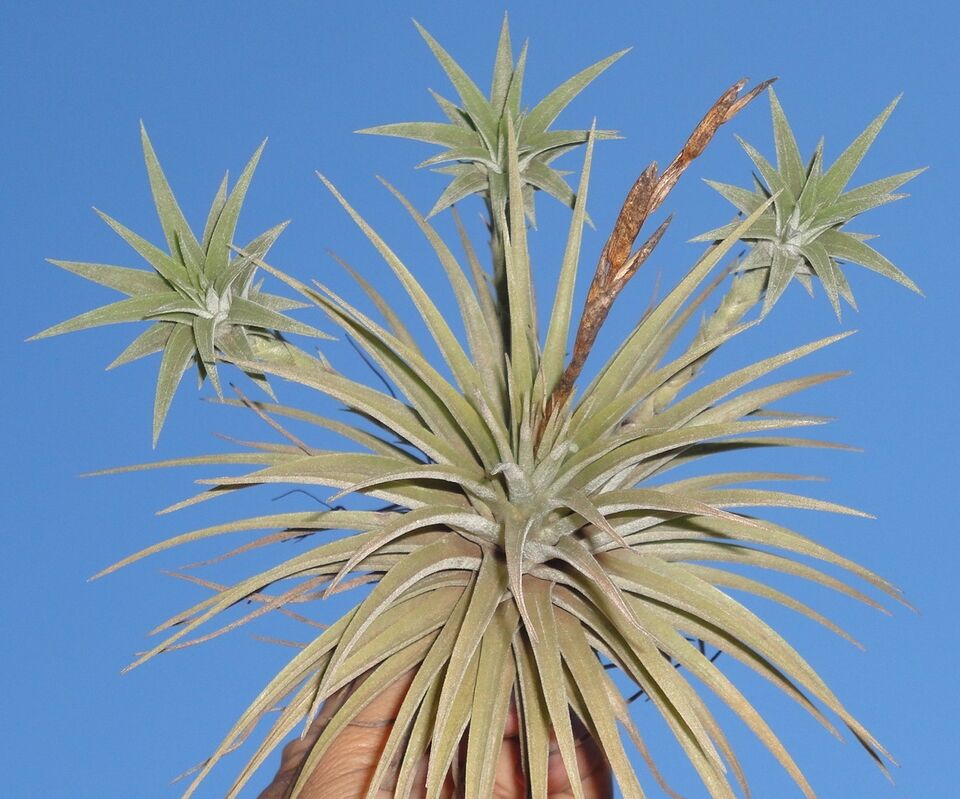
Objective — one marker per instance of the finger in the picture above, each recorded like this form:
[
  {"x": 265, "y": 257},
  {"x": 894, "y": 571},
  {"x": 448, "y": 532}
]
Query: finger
[
  {"x": 510, "y": 780},
  {"x": 295, "y": 752},
  {"x": 351, "y": 754},
  {"x": 383, "y": 708},
  {"x": 593, "y": 768},
  {"x": 420, "y": 785},
  {"x": 345, "y": 769}
]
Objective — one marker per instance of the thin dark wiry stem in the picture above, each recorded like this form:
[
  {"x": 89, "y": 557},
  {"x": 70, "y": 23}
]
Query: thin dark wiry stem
[
  {"x": 371, "y": 365},
  {"x": 703, "y": 651},
  {"x": 307, "y": 493}
]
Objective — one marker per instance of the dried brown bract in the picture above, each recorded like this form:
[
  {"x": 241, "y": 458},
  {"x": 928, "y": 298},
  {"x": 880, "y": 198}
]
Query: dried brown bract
[{"x": 617, "y": 265}]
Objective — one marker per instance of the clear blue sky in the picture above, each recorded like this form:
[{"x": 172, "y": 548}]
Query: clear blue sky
[{"x": 210, "y": 81}]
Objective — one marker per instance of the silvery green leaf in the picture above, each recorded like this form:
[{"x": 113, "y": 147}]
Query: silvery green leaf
[
  {"x": 547, "y": 110},
  {"x": 837, "y": 176},
  {"x": 845, "y": 247},
  {"x": 789, "y": 162}
]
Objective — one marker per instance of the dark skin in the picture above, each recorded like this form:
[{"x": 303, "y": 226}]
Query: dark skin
[{"x": 346, "y": 767}]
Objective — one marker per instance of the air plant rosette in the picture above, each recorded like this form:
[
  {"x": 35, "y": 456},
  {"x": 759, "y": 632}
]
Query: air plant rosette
[{"x": 532, "y": 540}]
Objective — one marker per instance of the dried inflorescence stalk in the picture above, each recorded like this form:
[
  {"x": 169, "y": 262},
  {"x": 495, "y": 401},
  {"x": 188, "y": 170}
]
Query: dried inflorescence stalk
[{"x": 618, "y": 260}]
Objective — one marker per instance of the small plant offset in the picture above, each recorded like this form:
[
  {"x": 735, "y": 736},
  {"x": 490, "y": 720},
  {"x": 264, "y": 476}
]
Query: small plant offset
[{"x": 532, "y": 540}]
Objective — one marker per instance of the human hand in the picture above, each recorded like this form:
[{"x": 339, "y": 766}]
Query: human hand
[{"x": 347, "y": 766}]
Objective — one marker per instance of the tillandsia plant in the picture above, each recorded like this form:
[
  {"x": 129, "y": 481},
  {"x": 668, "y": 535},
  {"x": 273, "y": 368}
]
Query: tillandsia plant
[{"x": 532, "y": 542}]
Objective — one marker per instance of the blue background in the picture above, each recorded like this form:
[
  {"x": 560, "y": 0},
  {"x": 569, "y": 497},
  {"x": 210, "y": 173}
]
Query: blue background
[{"x": 211, "y": 80}]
